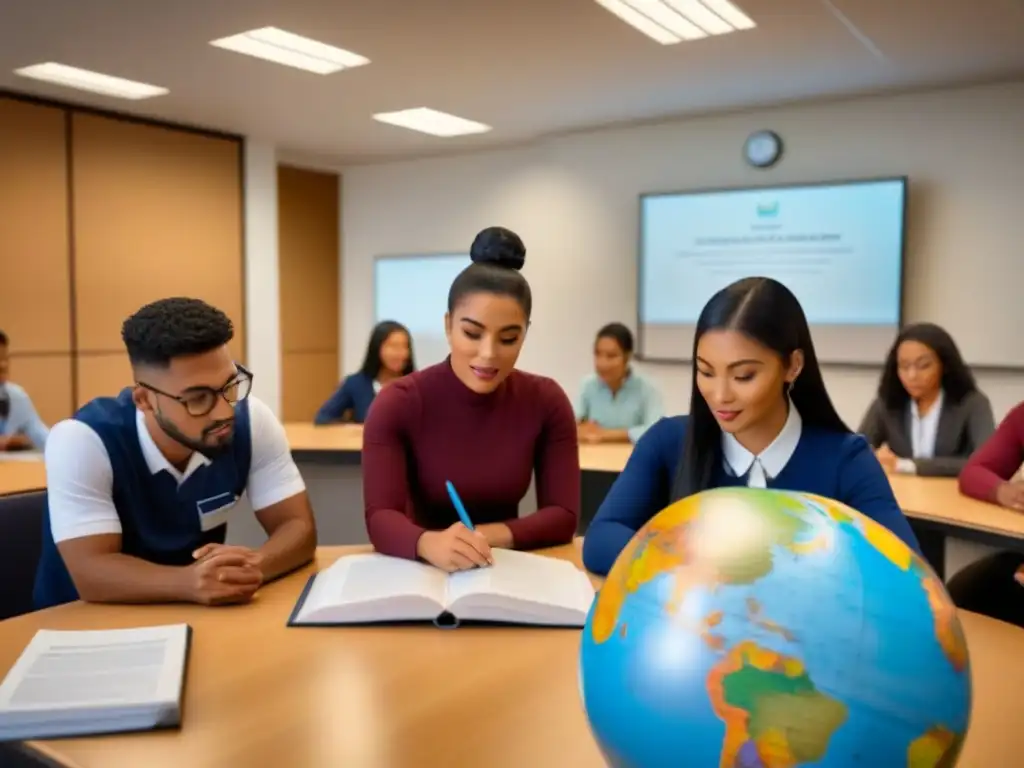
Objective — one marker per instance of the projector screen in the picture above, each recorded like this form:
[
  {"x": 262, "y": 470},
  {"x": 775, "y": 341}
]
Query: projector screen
[
  {"x": 837, "y": 246},
  {"x": 414, "y": 291}
]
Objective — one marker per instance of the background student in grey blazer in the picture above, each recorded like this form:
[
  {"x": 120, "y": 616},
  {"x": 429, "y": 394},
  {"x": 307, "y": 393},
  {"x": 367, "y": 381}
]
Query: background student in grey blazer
[{"x": 929, "y": 416}]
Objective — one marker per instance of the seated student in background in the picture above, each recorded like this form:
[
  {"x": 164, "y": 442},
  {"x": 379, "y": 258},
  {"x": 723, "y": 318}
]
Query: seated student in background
[
  {"x": 994, "y": 585},
  {"x": 20, "y": 426},
  {"x": 929, "y": 416},
  {"x": 616, "y": 403},
  {"x": 476, "y": 421},
  {"x": 142, "y": 485},
  {"x": 388, "y": 358},
  {"x": 759, "y": 416}
]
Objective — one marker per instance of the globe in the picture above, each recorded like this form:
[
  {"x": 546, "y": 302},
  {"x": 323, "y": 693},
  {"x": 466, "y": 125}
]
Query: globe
[{"x": 751, "y": 628}]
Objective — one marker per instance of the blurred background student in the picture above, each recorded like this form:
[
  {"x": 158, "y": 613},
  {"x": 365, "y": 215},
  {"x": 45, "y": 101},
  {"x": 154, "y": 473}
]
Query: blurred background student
[
  {"x": 616, "y": 404},
  {"x": 929, "y": 416},
  {"x": 994, "y": 585},
  {"x": 21, "y": 429},
  {"x": 388, "y": 357}
]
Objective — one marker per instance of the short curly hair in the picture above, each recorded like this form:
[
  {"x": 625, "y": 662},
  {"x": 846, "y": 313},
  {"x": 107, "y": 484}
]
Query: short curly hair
[{"x": 174, "y": 327}]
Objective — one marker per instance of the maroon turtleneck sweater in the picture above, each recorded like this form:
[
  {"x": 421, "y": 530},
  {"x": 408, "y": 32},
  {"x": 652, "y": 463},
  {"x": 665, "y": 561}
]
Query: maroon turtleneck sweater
[
  {"x": 428, "y": 427},
  {"x": 996, "y": 461}
]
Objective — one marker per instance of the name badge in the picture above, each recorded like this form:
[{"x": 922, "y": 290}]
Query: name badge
[{"x": 214, "y": 511}]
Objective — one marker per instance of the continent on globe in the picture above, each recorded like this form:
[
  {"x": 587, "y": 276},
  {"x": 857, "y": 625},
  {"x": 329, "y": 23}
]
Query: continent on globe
[
  {"x": 938, "y": 748},
  {"x": 694, "y": 543},
  {"x": 774, "y": 715},
  {"x": 948, "y": 631}
]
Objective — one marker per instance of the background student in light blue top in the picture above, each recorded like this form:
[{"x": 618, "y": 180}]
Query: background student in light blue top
[
  {"x": 388, "y": 358},
  {"x": 616, "y": 404},
  {"x": 759, "y": 416},
  {"x": 20, "y": 426}
]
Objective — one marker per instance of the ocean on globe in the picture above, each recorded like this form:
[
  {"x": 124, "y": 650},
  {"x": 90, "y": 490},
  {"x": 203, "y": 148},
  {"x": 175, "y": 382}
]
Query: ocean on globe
[{"x": 751, "y": 628}]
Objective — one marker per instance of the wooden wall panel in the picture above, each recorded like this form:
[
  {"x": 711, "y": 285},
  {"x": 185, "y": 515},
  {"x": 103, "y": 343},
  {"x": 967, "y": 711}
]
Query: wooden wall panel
[
  {"x": 47, "y": 379},
  {"x": 157, "y": 213},
  {"x": 35, "y": 306},
  {"x": 308, "y": 254},
  {"x": 101, "y": 375},
  {"x": 307, "y": 380}
]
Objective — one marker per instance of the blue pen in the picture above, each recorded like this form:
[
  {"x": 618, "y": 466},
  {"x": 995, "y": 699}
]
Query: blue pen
[{"x": 457, "y": 502}]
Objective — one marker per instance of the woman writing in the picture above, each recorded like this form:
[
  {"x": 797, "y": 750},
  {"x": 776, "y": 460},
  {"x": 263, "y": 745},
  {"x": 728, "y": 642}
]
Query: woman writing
[
  {"x": 616, "y": 404},
  {"x": 388, "y": 358},
  {"x": 759, "y": 416},
  {"x": 475, "y": 421},
  {"x": 929, "y": 416}
]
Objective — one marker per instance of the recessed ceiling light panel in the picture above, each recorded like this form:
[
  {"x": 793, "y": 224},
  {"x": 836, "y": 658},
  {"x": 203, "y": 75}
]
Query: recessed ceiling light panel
[
  {"x": 426, "y": 120},
  {"x": 291, "y": 50},
  {"x": 95, "y": 82},
  {"x": 673, "y": 21}
]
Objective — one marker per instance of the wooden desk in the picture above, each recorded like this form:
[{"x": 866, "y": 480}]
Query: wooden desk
[
  {"x": 259, "y": 693},
  {"x": 19, "y": 476}
]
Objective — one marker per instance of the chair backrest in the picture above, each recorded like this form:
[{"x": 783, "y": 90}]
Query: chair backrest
[{"x": 21, "y": 544}]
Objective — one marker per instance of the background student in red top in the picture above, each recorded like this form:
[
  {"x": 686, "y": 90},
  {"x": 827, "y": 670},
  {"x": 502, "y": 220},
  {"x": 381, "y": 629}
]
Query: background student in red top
[
  {"x": 476, "y": 421},
  {"x": 994, "y": 585}
]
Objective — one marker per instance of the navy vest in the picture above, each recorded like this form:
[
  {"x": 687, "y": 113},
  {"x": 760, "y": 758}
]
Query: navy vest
[{"x": 161, "y": 521}]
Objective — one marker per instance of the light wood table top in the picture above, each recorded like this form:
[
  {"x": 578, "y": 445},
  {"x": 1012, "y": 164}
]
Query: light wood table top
[
  {"x": 260, "y": 693},
  {"x": 926, "y": 498},
  {"x": 18, "y": 476}
]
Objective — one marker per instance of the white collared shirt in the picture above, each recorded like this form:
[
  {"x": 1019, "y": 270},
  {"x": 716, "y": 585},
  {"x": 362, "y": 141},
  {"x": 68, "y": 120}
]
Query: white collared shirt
[
  {"x": 771, "y": 461},
  {"x": 80, "y": 478},
  {"x": 924, "y": 429}
]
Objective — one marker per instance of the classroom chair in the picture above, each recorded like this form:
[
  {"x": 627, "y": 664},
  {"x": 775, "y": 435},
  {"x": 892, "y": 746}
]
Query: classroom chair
[{"x": 21, "y": 542}]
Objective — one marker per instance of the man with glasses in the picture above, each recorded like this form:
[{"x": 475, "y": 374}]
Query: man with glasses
[{"x": 141, "y": 486}]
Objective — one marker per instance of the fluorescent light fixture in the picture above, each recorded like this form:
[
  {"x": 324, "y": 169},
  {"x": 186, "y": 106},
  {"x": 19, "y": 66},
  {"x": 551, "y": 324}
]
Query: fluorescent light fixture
[
  {"x": 672, "y": 21},
  {"x": 426, "y": 120},
  {"x": 273, "y": 44},
  {"x": 84, "y": 80}
]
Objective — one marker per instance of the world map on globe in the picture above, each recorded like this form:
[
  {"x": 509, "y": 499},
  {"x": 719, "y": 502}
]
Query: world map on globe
[{"x": 752, "y": 628}]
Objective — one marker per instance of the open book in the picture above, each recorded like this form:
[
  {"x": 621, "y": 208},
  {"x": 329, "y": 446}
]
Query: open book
[
  {"x": 95, "y": 681},
  {"x": 519, "y": 588}
]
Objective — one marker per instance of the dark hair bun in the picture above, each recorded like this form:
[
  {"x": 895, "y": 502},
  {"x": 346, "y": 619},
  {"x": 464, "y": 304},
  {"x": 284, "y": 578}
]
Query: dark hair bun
[{"x": 500, "y": 247}]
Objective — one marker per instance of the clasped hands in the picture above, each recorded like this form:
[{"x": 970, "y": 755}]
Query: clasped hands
[
  {"x": 886, "y": 458},
  {"x": 224, "y": 574},
  {"x": 590, "y": 432}
]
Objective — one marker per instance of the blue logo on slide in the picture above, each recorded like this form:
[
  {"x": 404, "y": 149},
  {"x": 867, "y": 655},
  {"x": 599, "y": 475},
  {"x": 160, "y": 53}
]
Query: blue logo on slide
[{"x": 766, "y": 210}]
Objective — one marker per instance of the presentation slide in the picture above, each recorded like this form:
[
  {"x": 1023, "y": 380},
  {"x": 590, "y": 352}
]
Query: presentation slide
[
  {"x": 414, "y": 291},
  {"x": 838, "y": 247}
]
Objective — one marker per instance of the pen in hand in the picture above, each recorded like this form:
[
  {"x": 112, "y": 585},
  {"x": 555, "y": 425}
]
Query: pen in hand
[{"x": 460, "y": 508}]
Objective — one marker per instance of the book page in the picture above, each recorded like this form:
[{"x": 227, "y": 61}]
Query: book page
[
  {"x": 97, "y": 668},
  {"x": 524, "y": 580},
  {"x": 370, "y": 587}
]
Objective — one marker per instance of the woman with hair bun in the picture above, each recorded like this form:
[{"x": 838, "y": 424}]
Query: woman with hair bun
[{"x": 476, "y": 421}]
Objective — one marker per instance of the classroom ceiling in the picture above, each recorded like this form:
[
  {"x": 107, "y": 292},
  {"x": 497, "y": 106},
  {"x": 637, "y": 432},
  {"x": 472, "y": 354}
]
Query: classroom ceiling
[{"x": 526, "y": 67}]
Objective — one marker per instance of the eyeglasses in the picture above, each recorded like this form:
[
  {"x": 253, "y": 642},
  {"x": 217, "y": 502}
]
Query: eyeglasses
[{"x": 199, "y": 401}]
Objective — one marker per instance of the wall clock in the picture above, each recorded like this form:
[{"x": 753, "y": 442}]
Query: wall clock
[{"x": 763, "y": 149}]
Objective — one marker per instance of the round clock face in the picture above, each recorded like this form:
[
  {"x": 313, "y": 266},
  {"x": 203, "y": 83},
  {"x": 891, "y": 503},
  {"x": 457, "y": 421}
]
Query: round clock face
[{"x": 763, "y": 149}]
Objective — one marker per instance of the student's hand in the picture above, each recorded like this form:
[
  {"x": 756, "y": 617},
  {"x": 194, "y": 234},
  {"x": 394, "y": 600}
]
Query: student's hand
[
  {"x": 254, "y": 557},
  {"x": 1019, "y": 576},
  {"x": 886, "y": 457},
  {"x": 223, "y": 576},
  {"x": 455, "y": 549},
  {"x": 497, "y": 535},
  {"x": 589, "y": 432},
  {"x": 1011, "y": 495},
  {"x": 15, "y": 443}
]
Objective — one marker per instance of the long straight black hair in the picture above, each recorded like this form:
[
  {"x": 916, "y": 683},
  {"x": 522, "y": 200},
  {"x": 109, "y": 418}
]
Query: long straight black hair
[
  {"x": 766, "y": 311},
  {"x": 957, "y": 380},
  {"x": 372, "y": 363}
]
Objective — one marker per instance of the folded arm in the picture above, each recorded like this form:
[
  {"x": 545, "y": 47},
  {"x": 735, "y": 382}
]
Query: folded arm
[
  {"x": 557, "y": 469},
  {"x": 997, "y": 460},
  {"x": 640, "y": 491},
  {"x": 385, "y": 475},
  {"x": 337, "y": 404},
  {"x": 278, "y": 495},
  {"x": 87, "y": 529}
]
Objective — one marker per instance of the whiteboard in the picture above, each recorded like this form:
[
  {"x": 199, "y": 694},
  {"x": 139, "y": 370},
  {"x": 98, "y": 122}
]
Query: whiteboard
[{"x": 413, "y": 290}]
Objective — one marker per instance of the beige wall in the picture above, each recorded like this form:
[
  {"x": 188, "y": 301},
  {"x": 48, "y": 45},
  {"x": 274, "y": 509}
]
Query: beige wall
[{"x": 574, "y": 201}]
